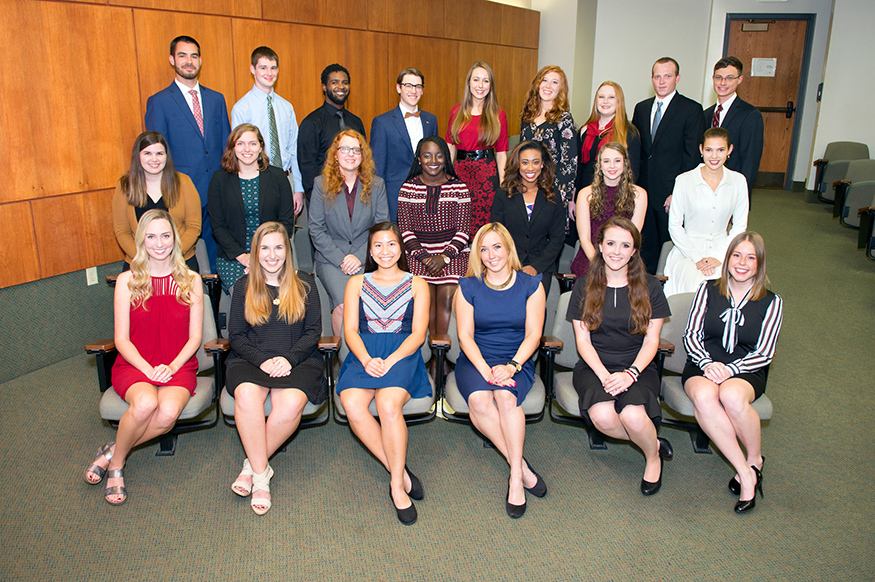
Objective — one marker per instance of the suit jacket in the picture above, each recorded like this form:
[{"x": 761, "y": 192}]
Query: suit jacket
[
  {"x": 393, "y": 153},
  {"x": 744, "y": 122},
  {"x": 195, "y": 155},
  {"x": 539, "y": 239},
  {"x": 228, "y": 216},
  {"x": 673, "y": 150},
  {"x": 333, "y": 234}
]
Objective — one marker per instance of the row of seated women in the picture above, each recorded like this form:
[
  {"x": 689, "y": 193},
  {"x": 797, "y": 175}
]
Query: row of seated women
[{"x": 617, "y": 313}]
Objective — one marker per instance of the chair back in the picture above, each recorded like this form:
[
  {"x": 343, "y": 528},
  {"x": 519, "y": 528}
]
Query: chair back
[
  {"x": 673, "y": 329},
  {"x": 860, "y": 171},
  {"x": 204, "y": 360},
  {"x": 846, "y": 150},
  {"x": 563, "y": 329},
  {"x": 326, "y": 307}
]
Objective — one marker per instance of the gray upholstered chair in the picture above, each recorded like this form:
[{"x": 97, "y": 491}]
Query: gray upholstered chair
[
  {"x": 834, "y": 164},
  {"x": 673, "y": 396},
  {"x": 854, "y": 192}
]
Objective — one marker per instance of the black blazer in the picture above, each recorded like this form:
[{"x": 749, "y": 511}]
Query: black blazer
[
  {"x": 673, "y": 150},
  {"x": 744, "y": 122},
  {"x": 228, "y": 217},
  {"x": 538, "y": 240}
]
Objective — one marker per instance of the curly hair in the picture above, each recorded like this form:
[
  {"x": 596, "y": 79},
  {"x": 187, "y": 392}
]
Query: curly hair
[
  {"x": 140, "y": 283},
  {"x": 513, "y": 182},
  {"x": 230, "y": 163},
  {"x": 532, "y": 106},
  {"x": 624, "y": 203},
  {"x": 332, "y": 177},
  {"x": 490, "y": 125},
  {"x": 292, "y": 291}
]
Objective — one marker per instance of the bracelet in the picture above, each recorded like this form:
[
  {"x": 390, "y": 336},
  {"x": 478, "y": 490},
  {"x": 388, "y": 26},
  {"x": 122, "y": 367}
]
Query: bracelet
[
  {"x": 632, "y": 374},
  {"x": 635, "y": 369}
]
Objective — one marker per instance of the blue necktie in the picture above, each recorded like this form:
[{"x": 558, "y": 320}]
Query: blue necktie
[{"x": 656, "y": 118}]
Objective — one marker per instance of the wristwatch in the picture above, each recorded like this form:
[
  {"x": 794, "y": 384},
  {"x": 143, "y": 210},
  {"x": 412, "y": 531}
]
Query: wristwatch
[
  {"x": 516, "y": 365},
  {"x": 446, "y": 259}
]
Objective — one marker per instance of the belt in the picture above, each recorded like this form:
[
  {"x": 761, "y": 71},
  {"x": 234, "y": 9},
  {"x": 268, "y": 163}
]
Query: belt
[{"x": 485, "y": 154}]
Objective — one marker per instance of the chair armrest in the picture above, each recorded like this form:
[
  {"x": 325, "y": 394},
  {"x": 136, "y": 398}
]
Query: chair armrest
[
  {"x": 866, "y": 210},
  {"x": 217, "y": 346},
  {"x": 209, "y": 277},
  {"x": 329, "y": 343},
  {"x": 841, "y": 192},
  {"x": 551, "y": 343},
  {"x": 439, "y": 341},
  {"x": 566, "y": 281},
  {"x": 665, "y": 346},
  {"x": 100, "y": 346},
  {"x": 662, "y": 279},
  {"x": 821, "y": 162},
  {"x": 110, "y": 280}
]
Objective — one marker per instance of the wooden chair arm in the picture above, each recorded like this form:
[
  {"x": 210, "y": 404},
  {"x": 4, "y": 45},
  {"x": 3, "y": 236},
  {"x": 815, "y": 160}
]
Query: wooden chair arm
[
  {"x": 551, "y": 342},
  {"x": 209, "y": 277},
  {"x": 565, "y": 276},
  {"x": 866, "y": 210},
  {"x": 110, "y": 280},
  {"x": 329, "y": 342},
  {"x": 439, "y": 340},
  {"x": 218, "y": 345},
  {"x": 100, "y": 346},
  {"x": 665, "y": 346},
  {"x": 821, "y": 162},
  {"x": 838, "y": 182}
]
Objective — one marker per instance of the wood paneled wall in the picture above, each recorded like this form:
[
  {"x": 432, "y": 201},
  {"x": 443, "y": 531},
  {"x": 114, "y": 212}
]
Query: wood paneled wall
[{"x": 69, "y": 123}]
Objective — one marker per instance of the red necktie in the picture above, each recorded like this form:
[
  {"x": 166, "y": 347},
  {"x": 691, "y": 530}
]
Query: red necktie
[
  {"x": 196, "y": 107},
  {"x": 715, "y": 121}
]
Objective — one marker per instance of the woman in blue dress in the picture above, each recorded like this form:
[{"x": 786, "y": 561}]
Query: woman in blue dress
[
  {"x": 385, "y": 319},
  {"x": 500, "y": 315}
]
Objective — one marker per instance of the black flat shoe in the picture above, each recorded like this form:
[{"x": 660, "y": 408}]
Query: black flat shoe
[
  {"x": 514, "y": 511},
  {"x": 665, "y": 450},
  {"x": 648, "y": 488},
  {"x": 406, "y": 516},
  {"x": 539, "y": 489},
  {"x": 416, "y": 491},
  {"x": 735, "y": 486},
  {"x": 743, "y": 506}
]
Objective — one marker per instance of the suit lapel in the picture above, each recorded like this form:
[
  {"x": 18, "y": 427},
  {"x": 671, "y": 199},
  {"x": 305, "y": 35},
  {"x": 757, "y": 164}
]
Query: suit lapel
[
  {"x": 731, "y": 113},
  {"x": 179, "y": 99},
  {"x": 540, "y": 201},
  {"x": 670, "y": 113},
  {"x": 357, "y": 210},
  {"x": 401, "y": 127},
  {"x": 646, "y": 136},
  {"x": 427, "y": 125},
  {"x": 237, "y": 189}
]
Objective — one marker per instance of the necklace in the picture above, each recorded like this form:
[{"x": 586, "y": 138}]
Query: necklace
[{"x": 498, "y": 287}]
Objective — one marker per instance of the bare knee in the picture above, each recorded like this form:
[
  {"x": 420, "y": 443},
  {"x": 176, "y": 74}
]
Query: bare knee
[
  {"x": 248, "y": 397},
  {"x": 702, "y": 392},
  {"x": 390, "y": 410},
  {"x": 481, "y": 403},
  {"x": 144, "y": 407},
  {"x": 505, "y": 400},
  {"x": 604, "y": 418},
  {"x": 355, "y": 405},
  {"x": 635, "y": 419},
  {"x": 735, "y": 402}
]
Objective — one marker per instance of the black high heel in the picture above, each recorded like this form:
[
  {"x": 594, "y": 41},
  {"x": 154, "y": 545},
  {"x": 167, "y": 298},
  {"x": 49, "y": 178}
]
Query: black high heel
[
  {"x": 648, "y": 488},
  {"x": 735, "y": 486},
  {"x": 743, "y": 506}
]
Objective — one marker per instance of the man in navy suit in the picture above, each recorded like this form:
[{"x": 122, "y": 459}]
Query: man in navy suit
[
  {"x": 743, "y": 121},
  {"x": 194, "y": 121},
  {"x": 671, "y": 127},
  {"x": 396, "y": 133}
]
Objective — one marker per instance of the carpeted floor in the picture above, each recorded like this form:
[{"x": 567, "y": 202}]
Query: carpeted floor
[{"x": 332, "y": 518}]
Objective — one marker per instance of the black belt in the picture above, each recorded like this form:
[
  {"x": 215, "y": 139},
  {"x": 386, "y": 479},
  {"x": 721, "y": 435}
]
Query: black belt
[{"x": 487, "y": 154}]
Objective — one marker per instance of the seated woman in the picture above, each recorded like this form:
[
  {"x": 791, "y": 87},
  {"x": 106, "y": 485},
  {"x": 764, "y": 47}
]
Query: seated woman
[
  {"x": 731, "y": 339},
  {"x": 384, "y": 325},
  {"x": 613, "y": 193},
  {"x": 434, "y": 217},
  {"x": 153, "y": 182},
  {"x": 531, "y": 210},
  {"x": 275, "y": 326},
  {"x": 705, "y": 203},
  {"x": 158, "y": 327},
  {"x": 500, "y": 315},
  {"x": 245, "y": 193},
  {"x": 617, "y": 313},
  {"x": 347, "y": 200}
]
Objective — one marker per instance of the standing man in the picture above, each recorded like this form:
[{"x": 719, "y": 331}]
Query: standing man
[
  {"x": 194, "y": 121},
  {"x": 274, "y": 117},
  {"x": 396, "y": 133},
  {"x": 319, "y": 128},
  {"x": 743, "y": 121},
  {"x": 671, "y": 128}
]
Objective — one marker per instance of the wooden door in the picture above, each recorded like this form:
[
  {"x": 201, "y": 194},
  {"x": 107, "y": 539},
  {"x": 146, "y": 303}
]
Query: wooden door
[{"x": 777, "y": 96}]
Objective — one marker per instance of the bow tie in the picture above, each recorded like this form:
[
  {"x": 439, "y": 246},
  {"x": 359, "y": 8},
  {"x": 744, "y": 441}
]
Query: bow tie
[{"x": 414, "y": 114}]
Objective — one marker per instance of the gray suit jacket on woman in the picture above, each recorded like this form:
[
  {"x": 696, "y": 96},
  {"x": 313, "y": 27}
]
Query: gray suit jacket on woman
[{"x": 334, "y": 235}]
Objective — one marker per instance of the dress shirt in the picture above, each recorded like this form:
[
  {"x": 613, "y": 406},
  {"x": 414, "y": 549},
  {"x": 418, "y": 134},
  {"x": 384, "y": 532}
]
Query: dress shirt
[
  {"x": 414, "y": 126},
  {"x": 252, "y": 108},
  {"x": 316, "y": 133},
  {"x": 665, "y": 103},
  {"x": 185, "y": 93},
  {"x": 726, "y": 105}
]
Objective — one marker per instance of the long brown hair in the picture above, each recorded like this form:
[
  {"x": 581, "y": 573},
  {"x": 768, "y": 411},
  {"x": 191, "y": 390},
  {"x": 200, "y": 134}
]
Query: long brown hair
[
  {"x": 332, "y": 177},
  {"x": 621, "y": 127},
  {"x": 760, "y": 279},
  {"x": 490, "y": 124},
  {"x": 292, "y": 291},
  {"x": 532, "y": 106},
  {"x": 593, "y": 301},
  {"x": 624, "y": 202},
  {"x": 230, "y": 163},
  {"x": 140, "y": 283},
  {"x": 513, "y": 181},
  {"x": 133, "y": 183}
]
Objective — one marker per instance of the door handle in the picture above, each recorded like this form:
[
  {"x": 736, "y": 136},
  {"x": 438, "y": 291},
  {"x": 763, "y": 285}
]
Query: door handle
[{"x": 787, "y": 111}]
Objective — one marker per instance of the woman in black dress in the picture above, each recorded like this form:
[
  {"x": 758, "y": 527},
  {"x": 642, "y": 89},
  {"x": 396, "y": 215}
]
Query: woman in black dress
[
  {"x": 731, "y": 338},
  {"x": 274, "y": 333},
  {"x": 617, "y": 312}
]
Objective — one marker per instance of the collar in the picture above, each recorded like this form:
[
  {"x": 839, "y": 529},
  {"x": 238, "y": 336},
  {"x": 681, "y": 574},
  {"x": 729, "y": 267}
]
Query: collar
[
  {"x": 404, "y": 108},
  {"x": 728, "y": 103},
  {"x": 261, "y": 94},
  {"x": 185, "y": 89},
  {"x": 666, "y": 100}
]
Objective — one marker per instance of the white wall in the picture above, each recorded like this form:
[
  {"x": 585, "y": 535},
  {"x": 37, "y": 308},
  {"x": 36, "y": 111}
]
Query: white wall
[
  {"x": 557, "y": 34},
  {"x": 848, "y": 83}
]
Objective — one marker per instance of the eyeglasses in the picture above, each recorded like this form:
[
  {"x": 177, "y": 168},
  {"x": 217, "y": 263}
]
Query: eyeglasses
[
  {"x": 729, "y": 78},
  {"x": 348, "y": 150},
  {"x": 409, "y": 86}
]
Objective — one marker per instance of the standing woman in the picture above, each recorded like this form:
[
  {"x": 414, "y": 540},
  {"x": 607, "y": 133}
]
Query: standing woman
[
  {"x": 500, "y": 316},
  {"x": 347, "y": 200},
  {"x": 245, "y": 193},
  {"x": 434, "y": 217},
  {"x": 546, "y": 118},
  {"x": 158, "y": 327},
  {"x": 705, "y": 203},
  {"x": 613, "y": 193},
  {"x": 153, "y": 182},
  {"x": 607, "y": 122},
  {"x": 384, "y": 325},
  {"x": 274, "y": 327},
  {"x": 530, "y": 210},
  {"x": 731, "y": 339},
  {"x": 617, "y": 313},
  {"x": 477, "y": 136}
]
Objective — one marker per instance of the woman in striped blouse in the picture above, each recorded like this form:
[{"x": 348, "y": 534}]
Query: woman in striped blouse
[{"x": 730, "y": 338}]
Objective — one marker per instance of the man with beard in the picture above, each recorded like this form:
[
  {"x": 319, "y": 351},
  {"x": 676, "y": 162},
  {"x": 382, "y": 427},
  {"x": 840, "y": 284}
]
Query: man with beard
[
  {"x": 194, "y": 121},
  {"x": 318, "y": 129}
]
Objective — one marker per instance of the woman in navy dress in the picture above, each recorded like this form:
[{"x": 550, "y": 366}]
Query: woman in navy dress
[
  {"x": 384, "y": 322},
  {"x": 731, "y": 339},
  {"x": 500, "y": 316}
]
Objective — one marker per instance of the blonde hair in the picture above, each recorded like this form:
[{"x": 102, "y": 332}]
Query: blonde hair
[
  {"x": 490, "y": 124},
  {"x": 621, "y": 127},
  {"x": 532, "y": 106},
  {"x": 140, "y": 283},
  {"x": 292, "y": 291},
  {"x": 332, "y": 177},
  {"x": 475, "y": 263}
]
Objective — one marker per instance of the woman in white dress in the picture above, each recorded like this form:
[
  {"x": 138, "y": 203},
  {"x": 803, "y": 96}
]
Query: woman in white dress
[{"x": 709, "y": 206}]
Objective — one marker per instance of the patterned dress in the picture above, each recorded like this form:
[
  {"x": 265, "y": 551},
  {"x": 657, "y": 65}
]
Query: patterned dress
[
  {"x": 230, "y": 271},
  {"x": 560, "y": 139},
  {"x": 435, "y": 220}
]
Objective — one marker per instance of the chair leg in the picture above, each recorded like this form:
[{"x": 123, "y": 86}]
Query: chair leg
[
  {"x": 167, "y": 445},
  {"x": 700, "y": 442},
  {"x": 596, "y": 439}
]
